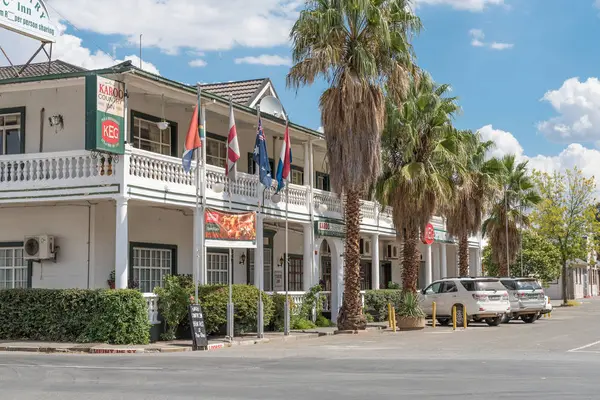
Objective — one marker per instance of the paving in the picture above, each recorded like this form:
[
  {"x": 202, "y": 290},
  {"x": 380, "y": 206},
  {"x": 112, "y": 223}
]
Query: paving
[{"x": 554, "y": 358}]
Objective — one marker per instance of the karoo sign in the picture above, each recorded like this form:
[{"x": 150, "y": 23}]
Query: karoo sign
[
  {"x": 105, "y": 115},
  {"x": 29, "y": 18}
]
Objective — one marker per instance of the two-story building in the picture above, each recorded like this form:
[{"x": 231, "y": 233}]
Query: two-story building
[{"x": 138, "y": 209}]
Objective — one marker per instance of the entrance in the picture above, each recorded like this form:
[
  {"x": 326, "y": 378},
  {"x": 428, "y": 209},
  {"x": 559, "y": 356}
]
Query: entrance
[
  {"x": 385, "y": 274},
  {"x": 325, "y": 279}
]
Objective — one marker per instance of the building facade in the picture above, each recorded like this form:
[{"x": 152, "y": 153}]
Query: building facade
[{"x": 136, "y": 212}]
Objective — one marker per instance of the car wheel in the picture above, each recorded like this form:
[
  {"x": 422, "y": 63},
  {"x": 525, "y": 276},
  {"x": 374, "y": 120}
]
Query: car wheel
[
  {"x": 444, "y": 321},
  {"x": 539, "y": 316},
  {"x": 528, "y": 319},
  {"x": 505, "y": 319},
  {"x": 460, "y": 315},
  {"x": 494, "y": 321}
]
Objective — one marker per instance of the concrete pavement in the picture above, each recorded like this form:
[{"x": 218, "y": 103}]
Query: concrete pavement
[{"x": 554, "y": 358}]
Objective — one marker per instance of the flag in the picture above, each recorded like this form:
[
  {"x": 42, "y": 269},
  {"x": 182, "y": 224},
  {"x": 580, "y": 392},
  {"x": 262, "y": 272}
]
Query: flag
[
  {"x": 192, "y": 142},
  {"x": 261, "y": 157},
  {"x": 233, "y": 148},
  {"x": 285, "y": 161}
]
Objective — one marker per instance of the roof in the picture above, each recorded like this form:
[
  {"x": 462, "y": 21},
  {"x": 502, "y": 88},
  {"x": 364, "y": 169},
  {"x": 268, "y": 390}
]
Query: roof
[
  {"x": 39, "y": 69},
  {"x": 242, "y": 92}
]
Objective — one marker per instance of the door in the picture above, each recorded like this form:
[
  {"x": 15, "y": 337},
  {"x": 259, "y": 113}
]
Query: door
[
  {"x": 447, "y": 298},
  {"x": 325, "y": 281},
  {"x": 385, "y": 274},
  {"x": 430, "y": 294}
]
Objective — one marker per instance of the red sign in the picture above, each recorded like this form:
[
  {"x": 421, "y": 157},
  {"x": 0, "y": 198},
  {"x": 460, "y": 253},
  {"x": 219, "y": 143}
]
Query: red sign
[
  {"x": 110, "y": 131},
  {"x": 228, "y": 229},
  {"x": 428, "y": 235}
]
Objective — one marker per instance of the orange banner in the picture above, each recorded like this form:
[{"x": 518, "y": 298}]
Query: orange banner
[{"x": 229, "y": 229}]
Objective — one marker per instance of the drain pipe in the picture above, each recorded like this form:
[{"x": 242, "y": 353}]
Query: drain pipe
[{"x": 42, "y": 119}]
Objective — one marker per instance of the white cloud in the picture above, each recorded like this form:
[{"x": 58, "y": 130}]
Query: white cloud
[
  {"x": 469, "y": 5},
  {"x": 477, "y": 40},
  {"x": 197, "y": 63},
  {"x": 506, "y": 143},
  {"x": 578, "y": 106},
  {"x": 320, "y": 129},
  {"x": 265, "y": 59}
]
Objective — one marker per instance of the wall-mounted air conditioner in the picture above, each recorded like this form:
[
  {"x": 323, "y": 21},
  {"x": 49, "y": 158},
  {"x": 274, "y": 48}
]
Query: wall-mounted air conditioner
[{"x": 39, "y": 247}]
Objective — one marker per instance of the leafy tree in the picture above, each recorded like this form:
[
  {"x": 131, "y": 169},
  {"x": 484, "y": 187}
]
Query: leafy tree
[
  {"x": 358, "y": 46},
  {"x": 567, "y": 216}
]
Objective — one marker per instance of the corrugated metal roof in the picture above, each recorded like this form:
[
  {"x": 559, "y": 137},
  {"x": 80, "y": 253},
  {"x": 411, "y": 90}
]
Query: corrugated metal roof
[
  {"x": 39, "y": 69},
  {"x": 243, "y": 92}
]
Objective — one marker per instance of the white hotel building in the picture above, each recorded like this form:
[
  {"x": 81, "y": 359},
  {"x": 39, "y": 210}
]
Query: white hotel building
[{"x": 50, "y": 185}]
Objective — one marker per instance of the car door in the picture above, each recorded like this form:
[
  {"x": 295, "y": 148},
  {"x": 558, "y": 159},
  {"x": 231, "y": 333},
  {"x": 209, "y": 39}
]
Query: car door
[
  {"x": 430, "y": 294},
  {"x": 447, "y": 298}
]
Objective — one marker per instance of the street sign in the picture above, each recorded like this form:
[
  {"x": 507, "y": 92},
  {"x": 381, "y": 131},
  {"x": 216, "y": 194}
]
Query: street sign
[{"x": 428, "y": 234}]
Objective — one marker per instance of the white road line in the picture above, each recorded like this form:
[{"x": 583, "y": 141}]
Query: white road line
[
  {"x": 583, "y": 347},
  {"x": 81, "y": 367}
]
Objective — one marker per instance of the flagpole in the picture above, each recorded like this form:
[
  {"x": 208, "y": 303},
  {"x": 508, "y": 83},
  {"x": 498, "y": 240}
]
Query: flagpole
[
  {"x": 286, "y": 330},
  {"x": 260, "y": 320},
  {"x": 230, "y": 309},
  {"x": 197, "y": 269}
]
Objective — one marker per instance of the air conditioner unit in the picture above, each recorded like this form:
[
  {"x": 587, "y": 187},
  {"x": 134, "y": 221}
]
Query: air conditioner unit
[
  {"x": 39, "y": 247},
  {"x": 365, "y": 247},
  {"x": 392, "y": 251}
]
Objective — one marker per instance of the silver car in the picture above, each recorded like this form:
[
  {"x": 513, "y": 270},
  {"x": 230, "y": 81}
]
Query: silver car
[{"x": 527, "y": 299}]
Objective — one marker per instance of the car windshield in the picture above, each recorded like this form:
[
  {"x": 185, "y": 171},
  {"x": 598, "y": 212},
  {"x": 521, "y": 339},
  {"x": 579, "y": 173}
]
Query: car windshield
[
  {"x": 528, "y": 285},
  {"x": 481, "y": 285}
]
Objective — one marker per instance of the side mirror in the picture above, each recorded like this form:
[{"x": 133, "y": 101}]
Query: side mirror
[{"x": 422, "y": 291}]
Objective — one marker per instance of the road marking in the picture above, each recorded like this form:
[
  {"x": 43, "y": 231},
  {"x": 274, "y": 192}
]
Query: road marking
[
  {"x": 583, "y": 347},
  {"x": 81, "y": 367}
]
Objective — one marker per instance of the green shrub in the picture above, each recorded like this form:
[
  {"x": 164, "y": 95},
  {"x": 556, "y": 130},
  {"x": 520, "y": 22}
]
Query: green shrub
[
  {"x": 213, "y": 300},
  {"x": 108, "y": 316},
  {"x": 409, "y": 306},
  {"x": 301, "y": 324},
  {"x": 394, "y": 286},
  {"x": 323, "y": 322},
  {"x": 376, "y": 302},
  {"x": 173, "y": 301}
]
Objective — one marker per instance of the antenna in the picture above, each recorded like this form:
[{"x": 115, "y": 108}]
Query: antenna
[{"x": 272, "y": 105}]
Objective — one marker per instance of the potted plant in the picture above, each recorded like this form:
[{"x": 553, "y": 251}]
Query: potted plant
[
  {"x": 410, "y": 315},
  {"x": 111, "y": 280}
]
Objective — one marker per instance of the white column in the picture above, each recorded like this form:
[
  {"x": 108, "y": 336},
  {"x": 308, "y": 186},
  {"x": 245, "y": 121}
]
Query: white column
[
  {"x": 307, "y": 278},
  {"x": 197, "y": 263},
  {"x": 428, "y": 266},
  {"x": 121, "y": 244},
  {"x": 259, "y": 275},
  {"x": 444, "y": 261},
  {"x": 337, "y": 289},
  {"x": 436, "y": 262},
  {"x": 307, "y": 169},
  {"x": 375, "y": 261}
]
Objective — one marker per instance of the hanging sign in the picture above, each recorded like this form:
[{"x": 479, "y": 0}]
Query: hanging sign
[
  {"x": 330, "y": 229},
  {"x": 230, "y": 230},
  {"x": 428, "y": 235},
  {"x": 28, "y": 18},
  {"x": 105, "y": 115}
]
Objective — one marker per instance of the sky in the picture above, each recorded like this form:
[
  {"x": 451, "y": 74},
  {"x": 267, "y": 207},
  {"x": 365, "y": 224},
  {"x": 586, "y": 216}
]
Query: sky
[{"x": 525, "y": 71}]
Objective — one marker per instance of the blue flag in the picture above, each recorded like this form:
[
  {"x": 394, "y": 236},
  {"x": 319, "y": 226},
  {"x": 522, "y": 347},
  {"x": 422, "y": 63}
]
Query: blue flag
[{"x": 261, "y": 157}]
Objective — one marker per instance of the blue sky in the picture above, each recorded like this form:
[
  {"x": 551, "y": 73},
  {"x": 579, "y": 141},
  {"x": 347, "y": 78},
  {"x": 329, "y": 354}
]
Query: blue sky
[{"x": 524, "y": 70}]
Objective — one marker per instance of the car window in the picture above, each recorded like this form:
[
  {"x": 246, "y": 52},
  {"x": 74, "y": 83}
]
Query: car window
[
  {"x": 478, "y": 285},
  {"x": 510, "y": 285},
  {"x": 433, "y": 288},
  {"x": 528, "y": 285},
  {"x": 449, "y": 287},
  {"x": 469, "y": 285}
]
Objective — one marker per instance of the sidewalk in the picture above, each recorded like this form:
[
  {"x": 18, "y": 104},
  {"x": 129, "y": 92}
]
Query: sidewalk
[{"x": 165, "y": 347}]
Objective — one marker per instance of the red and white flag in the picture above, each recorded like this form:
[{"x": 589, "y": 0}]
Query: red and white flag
[{"x": 233, "y": 148}]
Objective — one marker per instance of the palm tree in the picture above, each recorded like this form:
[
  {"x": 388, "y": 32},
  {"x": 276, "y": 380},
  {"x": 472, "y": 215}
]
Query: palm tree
[
  {"x": 519, "y": 194},
  {"x": 473, "y": 196},
  {"x": 421, "y": 163},
  {"x": 356, "y": 46}
]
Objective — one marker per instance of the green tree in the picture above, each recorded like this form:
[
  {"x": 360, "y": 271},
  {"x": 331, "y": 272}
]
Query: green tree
[
  {"x": 567, "y": 216},
  {"x": 421, "y": 163},
  {"x": 357, "y": 46},
  {"x": 473, "y": 196},
  {"x": 508, "y": 213}
]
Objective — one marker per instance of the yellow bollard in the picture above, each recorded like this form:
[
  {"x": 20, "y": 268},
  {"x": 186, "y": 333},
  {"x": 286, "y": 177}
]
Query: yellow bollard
[
  {"x": 390, "y": 314},
  {"x": 433, "y": 309},
  {"x": 394, "y": 318},
  {"x": 454, "y": 318},
  {"x": 465, "y": 318}
]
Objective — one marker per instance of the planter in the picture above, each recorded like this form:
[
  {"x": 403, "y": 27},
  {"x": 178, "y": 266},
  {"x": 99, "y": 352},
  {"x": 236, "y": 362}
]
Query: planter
[{"x": 411, "y": 323}]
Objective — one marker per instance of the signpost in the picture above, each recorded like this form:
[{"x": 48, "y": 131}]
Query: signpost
[
  {"x": 428, "y": 235},
  {"x": 199, "y": 338},
  {"x": 104, "y": 115}
]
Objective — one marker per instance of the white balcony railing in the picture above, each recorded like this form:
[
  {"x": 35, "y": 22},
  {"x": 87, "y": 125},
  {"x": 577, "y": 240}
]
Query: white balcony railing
[{"x": 157, "y": 167}]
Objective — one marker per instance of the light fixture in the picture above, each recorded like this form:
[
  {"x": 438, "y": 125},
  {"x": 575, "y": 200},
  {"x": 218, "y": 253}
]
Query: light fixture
[
  {"x": 276, "y": 198},
  {"x": 218, "y": 187},
  {"x": 323, "y": 208},
  {"x": 243, "y": 259},
  {"x": 56, "y": 121},
  {"x": 163, "y": 125},
  {"x": 281, "y": 261}
]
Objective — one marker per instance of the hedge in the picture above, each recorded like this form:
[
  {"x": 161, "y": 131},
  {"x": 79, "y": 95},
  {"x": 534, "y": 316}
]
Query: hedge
[
  {"x": 376, "y": 302},
  {"x": 84, "y": 316}
]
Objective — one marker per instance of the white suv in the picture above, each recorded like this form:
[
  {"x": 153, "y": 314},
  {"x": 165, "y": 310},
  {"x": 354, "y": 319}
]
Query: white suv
[
  {"x": 482, "y": 298},
  {"x": 527, "y": 299}
]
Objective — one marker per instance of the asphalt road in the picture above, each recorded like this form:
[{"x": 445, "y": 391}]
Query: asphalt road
[{"x": 557, "y": 358}]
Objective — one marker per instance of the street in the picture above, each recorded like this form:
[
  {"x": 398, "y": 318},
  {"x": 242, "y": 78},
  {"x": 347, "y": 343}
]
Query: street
[{"x": 554, "y": 358}]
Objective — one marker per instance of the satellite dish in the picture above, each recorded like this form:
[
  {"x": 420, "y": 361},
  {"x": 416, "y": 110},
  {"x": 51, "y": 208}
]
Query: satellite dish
[{"x": 272, "y": 105}]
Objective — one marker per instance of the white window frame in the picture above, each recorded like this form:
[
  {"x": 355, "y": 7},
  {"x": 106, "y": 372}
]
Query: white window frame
[
  {"x": 24, "y": 268},
  {"x": 210, "y": 158},
  {"x": 137, "y": 138},
  {"x": 297, "y": 177},
  {"x": 5, "y": 128},
  {"x": 217, "y": 268},
  {"x": 267, "y": 268},
  {"x": 162, "y": 266}
]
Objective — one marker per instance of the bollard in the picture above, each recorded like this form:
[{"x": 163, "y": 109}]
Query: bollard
[
  {"x": 454, "y": 318},
  {"x": 390, "y": 314},
  {"x": 433, "y": 313},
  {"x": 465, "y": 318},
  {"x": 394, "y": 318}
]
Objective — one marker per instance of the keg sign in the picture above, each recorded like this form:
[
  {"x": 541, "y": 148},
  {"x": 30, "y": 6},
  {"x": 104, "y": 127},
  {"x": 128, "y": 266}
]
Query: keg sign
[{"x": 105, "y": 115}]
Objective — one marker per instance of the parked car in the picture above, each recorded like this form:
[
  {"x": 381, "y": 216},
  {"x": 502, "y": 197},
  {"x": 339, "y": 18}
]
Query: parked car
[
  {"x": 547, "y": 307},
  {"x": 527, "y": 299},
  {"x": 480, "y": 298}
]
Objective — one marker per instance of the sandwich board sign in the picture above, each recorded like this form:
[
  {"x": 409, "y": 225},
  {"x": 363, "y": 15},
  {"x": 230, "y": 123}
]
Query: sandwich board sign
[{"x": 29, "y": 18}]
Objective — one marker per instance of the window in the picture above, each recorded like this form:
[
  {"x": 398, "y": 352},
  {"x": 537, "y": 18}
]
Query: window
[
  {"x": 13, "y": 268},
  {"x": 252, "y": 165},
  {"x": 217, "y": 268},
  {"x": 449, "y": 287},
  {"x": 528, "y": 285},
  {"x": 297, "y": 176},
  {"x": 150, "y": 263},
  {"x": 216, "y": 151},
  {"x": 482, "y": 285},
  {"x": 12, "y": 131},
  {"x": 322, "y": 182},
  {"x": 145, "y": 135},
  {"x": 295, "y": 273},
  {"x": 365, "y": 275},
  {"x": 267, "y": 269},
  {"x": 434, "y": 288}
]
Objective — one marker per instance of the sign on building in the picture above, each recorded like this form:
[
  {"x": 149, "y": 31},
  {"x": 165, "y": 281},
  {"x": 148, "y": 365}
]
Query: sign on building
[
  {"x": 29, "y": 18},
  {"x": 230, "y": 230},
  {"x": 330, "y": 229},
  {"x": 104, "y": 115}
]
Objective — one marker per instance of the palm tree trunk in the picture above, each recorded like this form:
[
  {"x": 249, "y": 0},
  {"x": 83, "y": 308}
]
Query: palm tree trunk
[
  {"x": 503, "y": 266},
  {"x": 351, "y": 316},
  {"x": 463, "y": 255},
  {"x": 411, "y": 261}
]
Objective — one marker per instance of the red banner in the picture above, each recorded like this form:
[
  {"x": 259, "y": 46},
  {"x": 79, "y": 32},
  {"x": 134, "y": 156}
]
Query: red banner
[{"x": 229, "y": 229}]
